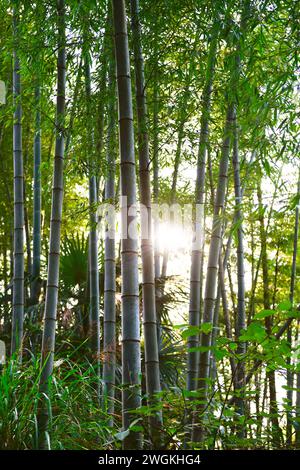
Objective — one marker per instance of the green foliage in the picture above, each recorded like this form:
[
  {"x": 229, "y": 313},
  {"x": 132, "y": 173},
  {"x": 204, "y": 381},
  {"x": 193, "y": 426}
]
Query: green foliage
[
  {"x": 77, "y": 422},
  {"x": 254, "y": 332},
  {"x": 74, "y": 261},
  {"x": 175, "y": 38},
  {"x": 18, "y": 406}
]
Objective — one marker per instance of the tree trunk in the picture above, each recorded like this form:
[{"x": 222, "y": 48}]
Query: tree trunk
[
  {"x": 298, "y": 406},
  {"x": 215, "y": 243},
  {"x": 276, "y": 433},
  {"x": 93, "y": 234},
  {"x": 27, "y": 236},
  {"x": 36, "y": 253},
  {"x": 109, "y": 325},
  {"x": 198, "y": 241},
  {"x": 155, "y": 165},
  {"x": 155, "y": 160},
  {"x": 221, "y": 293},
  {"x": 241, "y": 314},
  {"x": 48, "y": 343},
  {"x": 18, "y": 272},
  {"x": 72, "y": 111},
  {"x": 148, "y": 290},
  {"x": 290, "y": 381},
  {"x": 212, "y": 267},
  {"x": 131, "y": 356},
  {"x": 99, "y": 139},
  {"x": 197, "y": 255}
]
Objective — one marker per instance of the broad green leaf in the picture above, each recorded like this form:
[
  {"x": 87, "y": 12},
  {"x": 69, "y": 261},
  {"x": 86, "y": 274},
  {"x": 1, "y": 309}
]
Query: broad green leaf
[
  {"x": 284, "y": 306},
  {"x": 191, "y": 331},
  {"x": 254, "y": 332},
  {"x": 263, "y": 314},
  {"x": 206, "y": 328}
]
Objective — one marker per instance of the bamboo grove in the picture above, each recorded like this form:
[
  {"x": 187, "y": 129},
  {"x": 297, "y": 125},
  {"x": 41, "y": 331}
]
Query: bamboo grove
[{"x": 149, "y": 256}]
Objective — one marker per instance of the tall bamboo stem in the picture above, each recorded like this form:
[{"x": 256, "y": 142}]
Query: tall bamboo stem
[
  {"x": 149, "y": 307},
  {"x": 131, "y": 357},
  {"x": 18, "y": 268},
  {"x": 48, "y": 342}
]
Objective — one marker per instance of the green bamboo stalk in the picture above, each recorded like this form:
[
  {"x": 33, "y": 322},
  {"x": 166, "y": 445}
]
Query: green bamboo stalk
[
  {"x": 198, "y": 245},
  {"x": 94, "y": 297},
  {"x": 149, "y": 307},
  {"x": 18, "y": 268},
  {"x": 290, "y": 376},
  {"x": 241, "y": 312},
  {"x": 131, "y": 356},
  {"x": 109, "y": 325},
  {"x": 276, "y": 430},
  {"x": 48, "y": 342},
  {"x": 36, "y": 252}
]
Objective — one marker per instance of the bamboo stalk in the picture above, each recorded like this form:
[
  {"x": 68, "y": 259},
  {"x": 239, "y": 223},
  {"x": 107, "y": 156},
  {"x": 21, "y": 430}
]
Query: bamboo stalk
[
  {"x": 18, "y": 259},
  {"x": 50, "y": 311},
  {"x": 131, "y": 358}
]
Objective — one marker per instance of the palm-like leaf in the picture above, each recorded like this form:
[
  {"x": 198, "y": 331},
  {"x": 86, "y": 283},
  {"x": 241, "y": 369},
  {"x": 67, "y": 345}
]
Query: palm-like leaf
[{"x": 74, "y": 261}]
